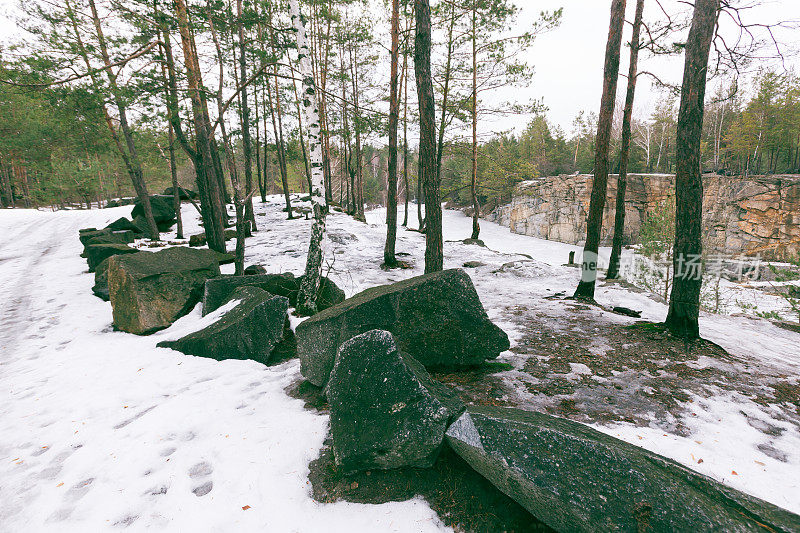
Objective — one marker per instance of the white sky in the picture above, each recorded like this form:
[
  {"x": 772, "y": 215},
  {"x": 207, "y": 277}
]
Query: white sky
[{"x": 568, "y": 61}]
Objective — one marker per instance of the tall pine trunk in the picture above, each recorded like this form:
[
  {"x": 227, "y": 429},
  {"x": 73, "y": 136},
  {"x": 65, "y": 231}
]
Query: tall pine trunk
[
  {"x": 684, "y": 304},
  {"x": 394, "y": 114},
  {"x": 476, "y": 208},
  {"x": 622, "y": 181},
  {"x": 434, "y": 258},
  {"x": 129, "y": 154},
  {"x": 247, "y": 147},
  {"x": 207, "y": 165},
  {"x": 176, "y": 190},
  {"x": 594, "y": 223}
]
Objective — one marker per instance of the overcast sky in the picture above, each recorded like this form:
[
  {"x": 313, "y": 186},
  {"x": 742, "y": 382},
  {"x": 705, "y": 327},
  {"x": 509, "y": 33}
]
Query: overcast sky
[{"x": 568, "y": 61}]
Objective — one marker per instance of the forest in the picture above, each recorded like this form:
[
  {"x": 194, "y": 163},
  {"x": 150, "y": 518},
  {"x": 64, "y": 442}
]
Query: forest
[
  {"x": 55, "y": 148},
  {"x": 339, "y": 265}
]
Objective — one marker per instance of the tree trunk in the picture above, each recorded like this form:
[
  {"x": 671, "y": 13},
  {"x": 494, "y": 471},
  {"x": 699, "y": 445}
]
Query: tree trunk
[
  {"x": 405, "y": 131},
  {"x": 247, "y": 147},
  {"x": 309, "y": 287},
  {"x": 394, "y": 113},
  {"x": 434, "y": 258},
  {"x": 130, "y": 158},
  {"x": 208, "y": 169},
  {"x": 684, "y": 305},
  {"x": 594, "y": 224},
  {"x": 280, "y": 147},
  {"x": 622, "y": 182},
  {"x": 176, "y": 191},
  {"x": 476, "y": 208}
]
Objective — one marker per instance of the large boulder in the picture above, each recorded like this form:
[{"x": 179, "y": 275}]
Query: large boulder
[
  {"x": 110, "y": 237},
  {"x": 122, "y": 224},
  {"x": 185, "y": 194},
  {"x": 575, "y": 478},
  {"x": 96, "y": 253},
  {"x": 149, "y": 291},
  {"x": 251, "y": 330},
  {"x": 100, "y": 287},
  {"x": 437, "y": 318},
  {"x": 163, "y": 211},
  {"x": 253, "y": 270},
  {"x": 218, "y": 290},
  {"x": 87, "y": 234},
  {"x": 197, "y": 240},
  {"x": 386, "y": 410},
  {"x": 115, "y": 237}
]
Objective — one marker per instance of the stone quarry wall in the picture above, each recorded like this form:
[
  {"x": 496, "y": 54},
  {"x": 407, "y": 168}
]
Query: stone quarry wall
[{"x": 755, "y": 215}]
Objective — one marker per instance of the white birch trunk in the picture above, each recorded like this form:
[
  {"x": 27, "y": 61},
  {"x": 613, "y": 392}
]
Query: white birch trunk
[{"x": 309, "y": 287}]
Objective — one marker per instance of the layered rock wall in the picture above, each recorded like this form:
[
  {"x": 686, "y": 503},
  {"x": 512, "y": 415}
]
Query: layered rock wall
[{"x": 755, "y": 215}]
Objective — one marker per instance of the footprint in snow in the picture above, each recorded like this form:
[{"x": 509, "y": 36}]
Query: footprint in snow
[
  {"x": 201, "y": 470},
  {"x": 166, "y": 452},
  {"x": 79, "y": 490},
  {"x": 203, "y": 489}
]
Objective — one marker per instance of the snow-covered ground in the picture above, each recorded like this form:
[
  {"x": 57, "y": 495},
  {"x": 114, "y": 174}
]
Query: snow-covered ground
[
  {"x": 104, "y": 429},
  {"x": 101, "y": 429}
]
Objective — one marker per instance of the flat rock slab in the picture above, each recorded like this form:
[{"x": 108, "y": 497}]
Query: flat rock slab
[
  {"x": 219, "y": 289},
  {"x": 437, "y": 318},
  {"x": 575, "y": 478},
  {"x": 386, "y": 410},
  {"x": 251, "y": 330},
  {"x": 97, "y": 253},
  {"x": 87, "y": 234},
  {"x": 149, "y": 291}
]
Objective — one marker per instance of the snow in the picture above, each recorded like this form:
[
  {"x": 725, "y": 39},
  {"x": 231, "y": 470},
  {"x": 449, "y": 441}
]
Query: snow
[
  {"x": 100, "y": 429},
  {"x": 104, "y": 429}
]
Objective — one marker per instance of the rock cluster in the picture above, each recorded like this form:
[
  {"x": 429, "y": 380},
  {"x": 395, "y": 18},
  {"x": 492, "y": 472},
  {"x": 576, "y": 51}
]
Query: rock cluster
[
  {"x": 437, "y": 318},
  {"x": 386, "y": 411}
]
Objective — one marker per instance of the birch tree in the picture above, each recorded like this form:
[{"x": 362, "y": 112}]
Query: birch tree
[{"x": 309, "y": 287}]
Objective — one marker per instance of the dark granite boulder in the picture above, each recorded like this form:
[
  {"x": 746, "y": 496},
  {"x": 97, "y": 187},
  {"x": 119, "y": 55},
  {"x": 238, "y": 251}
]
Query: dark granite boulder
[
  {"x": 90, "y": 233},
  {"x": 575, "y": 478},
  {"x": 218, "y": 290},
  {"x": 96, "y": 253},
  {"x": 100, "y": 288},
  {"x": 386, "y": 410},
  {"x": 251, "y": 330},
  {"x": 185, "y": 194},
  {"x": 122, "y": 224},
  {"x": 115, "y": 237},
  {"x": 163, "y": 211},
  {"x": 198, "y": 239},
  {"x": 437, "y": 318},
  {"x": 149, "y": 291},
  {"x": 254, "y": 269}
]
